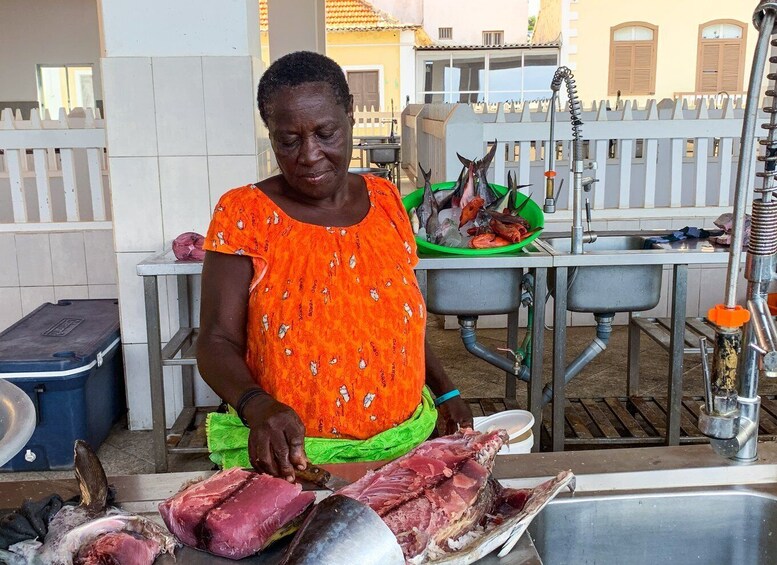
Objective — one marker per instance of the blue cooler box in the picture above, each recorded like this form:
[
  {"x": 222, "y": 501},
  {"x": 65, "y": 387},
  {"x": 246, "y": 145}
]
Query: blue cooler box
[{"x": 67, "y": 358}]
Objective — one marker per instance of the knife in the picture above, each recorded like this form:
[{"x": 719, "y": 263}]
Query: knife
[{"x": 316, "y": 478}]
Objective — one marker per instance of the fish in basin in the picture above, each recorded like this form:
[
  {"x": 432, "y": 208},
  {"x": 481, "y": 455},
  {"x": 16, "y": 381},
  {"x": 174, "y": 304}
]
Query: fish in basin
[
  {"x": 442, "y": 503},
  {"x": 93, "y": 533},
  {"x": 471, "y": 213}
]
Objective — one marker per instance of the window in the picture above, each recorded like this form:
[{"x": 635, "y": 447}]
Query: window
[
  {"x": 445, "y": 33},
  {"x": 633, "y": 59},
  {"x": 721, "y": 56},
  {"x": 486, "y": 76},
  {"x": 493, "y": 37},
  {"x": 65, "y": 86}
]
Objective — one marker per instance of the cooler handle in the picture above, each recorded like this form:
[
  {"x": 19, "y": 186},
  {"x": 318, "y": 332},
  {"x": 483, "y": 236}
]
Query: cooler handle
[{"x": 38, "y": 390}]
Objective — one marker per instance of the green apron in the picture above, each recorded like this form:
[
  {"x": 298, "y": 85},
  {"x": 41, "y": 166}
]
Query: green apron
[{"x": 228, "y": 439}]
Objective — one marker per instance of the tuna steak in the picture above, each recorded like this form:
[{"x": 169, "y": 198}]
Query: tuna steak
[
  {"x": 442, "y": 504},
  {"x": 234, "y": 513},
  {"x": 438, "y": 491}
]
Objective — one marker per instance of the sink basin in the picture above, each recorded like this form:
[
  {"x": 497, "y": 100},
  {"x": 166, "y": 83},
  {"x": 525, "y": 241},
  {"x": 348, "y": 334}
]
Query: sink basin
[
  {"x": 610, "y": 288},
  {"x": 17, "y": 420},
  {"x": 708, "y": 526},
  {"x": 473, "y": 291}
]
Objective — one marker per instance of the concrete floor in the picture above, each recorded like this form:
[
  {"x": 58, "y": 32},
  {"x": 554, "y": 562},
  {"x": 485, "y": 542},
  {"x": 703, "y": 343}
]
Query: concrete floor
[{"x": 126, "y": 452}]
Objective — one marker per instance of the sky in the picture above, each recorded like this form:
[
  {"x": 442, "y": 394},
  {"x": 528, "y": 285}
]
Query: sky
[{"x": 534, "y": 7}]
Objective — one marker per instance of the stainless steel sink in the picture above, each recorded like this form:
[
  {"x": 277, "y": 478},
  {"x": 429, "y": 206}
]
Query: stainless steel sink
[
  {"x": 610, "y": 288},
  {"x": 17, "y": 420},
  {"x": 712, "y": 526},
  {"x": 473, "y": 291}
]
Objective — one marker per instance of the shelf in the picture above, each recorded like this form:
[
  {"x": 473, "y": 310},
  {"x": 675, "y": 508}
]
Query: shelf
[{"x": 184, "y": 342}]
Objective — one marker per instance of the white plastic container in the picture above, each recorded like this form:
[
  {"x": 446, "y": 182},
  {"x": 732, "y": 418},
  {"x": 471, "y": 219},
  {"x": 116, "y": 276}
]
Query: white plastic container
[{"x": 517, "y": 423}]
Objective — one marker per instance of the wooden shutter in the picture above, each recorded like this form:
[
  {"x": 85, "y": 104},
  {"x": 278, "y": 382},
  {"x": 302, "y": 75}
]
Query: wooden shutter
[
  {"x": 620, "y": 67},
  {"x": 633, "y": 64},
  {"x": 731, "y": 60},
  {"x": 642, "y": 64},
  {"x": 720, "y": 64}
]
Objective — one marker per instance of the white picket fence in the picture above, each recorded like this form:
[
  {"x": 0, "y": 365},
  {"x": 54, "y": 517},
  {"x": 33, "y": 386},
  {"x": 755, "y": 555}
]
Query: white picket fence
[
  {"x": 53, "y": 171},
  {"x": 374, "y": 123},
  {"x": 661, "y": 159}
]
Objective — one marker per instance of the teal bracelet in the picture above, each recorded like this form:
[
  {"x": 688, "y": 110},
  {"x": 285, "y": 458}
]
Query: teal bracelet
[{"x": 447, "y": 396}]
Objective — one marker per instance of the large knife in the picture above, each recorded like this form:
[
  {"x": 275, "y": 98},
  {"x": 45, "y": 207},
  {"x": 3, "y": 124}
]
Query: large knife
[{"x": 316, "y": 478}]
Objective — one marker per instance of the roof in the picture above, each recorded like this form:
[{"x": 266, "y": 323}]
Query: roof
[
  {"x": 348, "y": 15},
  {"x": 451, "y": 47}
]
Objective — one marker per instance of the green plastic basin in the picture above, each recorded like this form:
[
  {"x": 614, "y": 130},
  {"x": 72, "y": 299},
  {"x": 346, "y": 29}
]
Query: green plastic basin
[{"x": 531, "y": 212}]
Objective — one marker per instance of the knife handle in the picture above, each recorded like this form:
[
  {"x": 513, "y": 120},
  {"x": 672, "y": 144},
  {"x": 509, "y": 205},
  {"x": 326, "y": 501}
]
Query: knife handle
[{"x": 315, "y": 475}]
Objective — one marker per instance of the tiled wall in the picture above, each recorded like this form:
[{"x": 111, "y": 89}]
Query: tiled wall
[{"x": 46, "y": 267}]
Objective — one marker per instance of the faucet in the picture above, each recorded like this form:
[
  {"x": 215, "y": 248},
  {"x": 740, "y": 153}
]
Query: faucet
[
  {"x": 746, "y": 337},
  {"x": 564, "y": 74}
]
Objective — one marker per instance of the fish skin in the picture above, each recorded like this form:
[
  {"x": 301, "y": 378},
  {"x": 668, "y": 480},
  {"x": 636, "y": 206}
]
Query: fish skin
[{"x": 428, "y": 209}]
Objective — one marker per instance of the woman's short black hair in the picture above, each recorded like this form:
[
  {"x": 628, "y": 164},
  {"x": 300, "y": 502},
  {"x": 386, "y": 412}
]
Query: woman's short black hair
[{"x": 302, "y": 67}]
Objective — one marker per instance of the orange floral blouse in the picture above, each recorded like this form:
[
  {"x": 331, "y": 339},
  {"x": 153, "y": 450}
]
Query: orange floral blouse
[{"x": 336, "y": 321}]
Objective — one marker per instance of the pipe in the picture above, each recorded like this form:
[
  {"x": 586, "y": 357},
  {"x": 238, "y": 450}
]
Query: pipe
[
  {"x": 467, "y": 325},
  {"x": 599, "y": 344},
  {"x": 745, "y": 155}
]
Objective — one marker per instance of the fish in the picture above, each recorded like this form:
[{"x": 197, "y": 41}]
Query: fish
[
  {"x": 488, "y": 240},
  {"x": 468, "y": 187},
  {"x": 428, "y": 210},
  {"x": 77, "y": 534},
  {"x": 507, "y": 203},
  {"x": 442, "y": 503},
  {"x": 480, "y": 186},
  {"x": 235, "y": 513}
]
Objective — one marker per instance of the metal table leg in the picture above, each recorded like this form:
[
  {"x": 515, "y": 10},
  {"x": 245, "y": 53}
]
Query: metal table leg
[
  {"x": 632, "y": 382},
  {"x": 676, "y": 347},
  {"x": 559, "y": 357},
  {"x": 538, "y": 347},
  {"x": 155, "y": 373},
  {"x": 512, "y": 344},
  {"x": 184, "y": 319}
]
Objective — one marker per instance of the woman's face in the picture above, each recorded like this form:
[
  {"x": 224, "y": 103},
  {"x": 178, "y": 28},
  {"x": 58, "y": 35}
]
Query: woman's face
[{"x": 311, "y": 136}]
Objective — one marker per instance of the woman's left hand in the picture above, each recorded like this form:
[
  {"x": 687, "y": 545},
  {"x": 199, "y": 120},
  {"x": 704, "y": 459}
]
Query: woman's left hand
[{"x": 456, "y": 414}]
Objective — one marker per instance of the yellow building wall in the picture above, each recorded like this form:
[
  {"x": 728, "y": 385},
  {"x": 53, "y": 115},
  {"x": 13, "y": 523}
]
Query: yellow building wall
[
  {"x": 678, "y": 31},
  {"x": 364, "y": 50}
]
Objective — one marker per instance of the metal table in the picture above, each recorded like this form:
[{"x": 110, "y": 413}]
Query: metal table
[
  {"x": 679, "y": 254},
  {"x": 180, "y": 350}
]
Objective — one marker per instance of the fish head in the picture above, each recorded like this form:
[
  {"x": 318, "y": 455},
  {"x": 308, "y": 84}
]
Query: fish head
[{"x": 91, "y": 478}]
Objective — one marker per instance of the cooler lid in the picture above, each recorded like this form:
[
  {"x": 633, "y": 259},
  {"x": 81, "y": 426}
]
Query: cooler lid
[{"x": 59, "y": 337}]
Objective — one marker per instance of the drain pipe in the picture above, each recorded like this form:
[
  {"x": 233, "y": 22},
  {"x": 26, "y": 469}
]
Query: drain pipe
[
  {"x": 599, "y": 344},
  {"x": 467, "y": 326}
]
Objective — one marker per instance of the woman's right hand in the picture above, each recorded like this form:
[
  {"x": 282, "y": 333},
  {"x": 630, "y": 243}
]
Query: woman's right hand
[{"x": 276, "y": 441}]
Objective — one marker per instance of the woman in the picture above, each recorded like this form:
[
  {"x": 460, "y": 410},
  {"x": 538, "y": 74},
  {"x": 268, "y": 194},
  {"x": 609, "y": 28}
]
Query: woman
[{"x": 312, "y": 323}]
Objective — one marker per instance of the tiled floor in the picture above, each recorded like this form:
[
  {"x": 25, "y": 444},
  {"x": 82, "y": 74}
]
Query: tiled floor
[{"x": 126, "y": 452}]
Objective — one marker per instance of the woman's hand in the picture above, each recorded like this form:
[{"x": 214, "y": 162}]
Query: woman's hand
[
  {"x": 276, "y": 442},
  {"x": 455, "y": 414}
]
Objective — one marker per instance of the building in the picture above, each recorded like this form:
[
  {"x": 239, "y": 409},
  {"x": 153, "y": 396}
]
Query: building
[
  {"x": 650, "y": 50},
  {"x": 374, "y": 48}
]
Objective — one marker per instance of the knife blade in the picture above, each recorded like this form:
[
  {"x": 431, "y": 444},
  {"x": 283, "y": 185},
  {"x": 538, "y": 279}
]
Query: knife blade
[{"x": 316, "y": 478}]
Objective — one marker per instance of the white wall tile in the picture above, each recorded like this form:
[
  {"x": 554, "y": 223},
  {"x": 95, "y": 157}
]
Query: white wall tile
[
  {"x": 229, "y": 105},
  {"x": 68, "y": 258},
  {"x": 229, "y": 171},
  {"x": 137, "y": 207},
  {"x": 11, "y": 312},
  {"x": 71, "y": 292},
  {"x": 34, "y": 296},
  {"x": 132, "y": 306},
  {"x": 136, "y": 378},
  {"x": 137, "y": 385},
  {"x": 203, "y": 394},
  {"x": 33, "y": 256},
  {"x": 103, "y": 291},
  {"x": 622, "y": 225},
  {"x": 185, "y": 196},
  {"x": 128, "y": 91},
  {"x": 180, "y": 108},
  {"x": 100, "y": 257},
  {"x": 9, "y": 274}
]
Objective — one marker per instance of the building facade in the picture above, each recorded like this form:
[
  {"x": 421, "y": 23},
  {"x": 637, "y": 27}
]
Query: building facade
[{"x": 651, "y": 50}]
